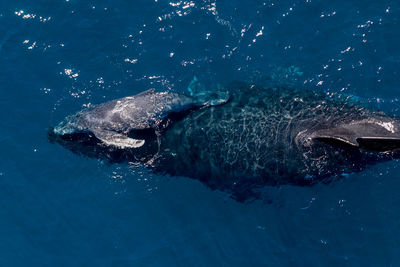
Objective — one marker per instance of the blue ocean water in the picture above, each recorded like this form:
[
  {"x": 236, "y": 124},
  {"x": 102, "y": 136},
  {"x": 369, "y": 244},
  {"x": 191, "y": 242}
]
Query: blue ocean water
[{"x": 62, "y": 209}]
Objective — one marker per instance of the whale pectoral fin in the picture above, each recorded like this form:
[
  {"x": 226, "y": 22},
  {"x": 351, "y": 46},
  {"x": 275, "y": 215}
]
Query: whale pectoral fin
[
  {"x": 117, "y": 139},
  {"x": 195, "y": 86}
]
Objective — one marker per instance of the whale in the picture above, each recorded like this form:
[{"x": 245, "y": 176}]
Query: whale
[
  {"x": 240, "y": 141},
  {"x": 115, "y": 122}
]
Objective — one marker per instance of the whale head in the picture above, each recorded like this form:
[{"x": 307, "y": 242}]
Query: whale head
[
  {"x": 329, "y": 151},
  {"x": 379, "y": 134}
]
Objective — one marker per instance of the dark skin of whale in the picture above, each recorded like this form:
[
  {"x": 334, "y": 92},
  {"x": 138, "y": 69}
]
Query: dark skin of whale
[
  {"x": 260, "y": 137},
  {"x": 277, "y": 136}
]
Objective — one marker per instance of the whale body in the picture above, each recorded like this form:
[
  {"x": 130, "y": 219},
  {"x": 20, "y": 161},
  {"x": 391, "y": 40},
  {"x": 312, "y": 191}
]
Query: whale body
[
  {"x": 261, "y": 136},
  {"x": 113, "y": 122}
]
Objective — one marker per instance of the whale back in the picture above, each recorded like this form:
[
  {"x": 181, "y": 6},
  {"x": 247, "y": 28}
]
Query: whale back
[{"x": 258, "y": 138}]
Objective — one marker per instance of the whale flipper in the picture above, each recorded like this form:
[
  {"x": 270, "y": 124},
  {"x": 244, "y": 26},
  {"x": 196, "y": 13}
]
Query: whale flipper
[{"x": 117, "y": 139}]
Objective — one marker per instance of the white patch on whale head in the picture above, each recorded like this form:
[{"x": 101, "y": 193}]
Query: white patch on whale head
[{"x": 387, "y": 125}]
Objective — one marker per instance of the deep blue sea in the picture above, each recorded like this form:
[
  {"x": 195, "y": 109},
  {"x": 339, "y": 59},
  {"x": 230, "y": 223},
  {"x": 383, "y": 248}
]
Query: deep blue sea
[{"x": 58, "y": 208}]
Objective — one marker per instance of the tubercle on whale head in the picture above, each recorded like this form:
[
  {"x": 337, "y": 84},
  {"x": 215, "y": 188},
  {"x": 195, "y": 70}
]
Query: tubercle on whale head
[{"x": 67, "y": 126}]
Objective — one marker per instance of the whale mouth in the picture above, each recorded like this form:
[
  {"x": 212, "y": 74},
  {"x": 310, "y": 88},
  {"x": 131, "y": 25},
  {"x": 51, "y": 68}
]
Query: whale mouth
[
  {"x": 88, "y": 145},
  {"x": 73, "y": 137},
  {"x": 380, "y": 144},
  {"x": 88, "y": 138},
  {"x": 377, "y": 144}
]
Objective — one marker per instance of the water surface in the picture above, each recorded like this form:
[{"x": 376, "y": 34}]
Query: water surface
[{"x": 58, "y": 208}]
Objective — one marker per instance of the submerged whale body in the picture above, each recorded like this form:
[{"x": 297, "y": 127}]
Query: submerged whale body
[{"x": 261, "y": 136}]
